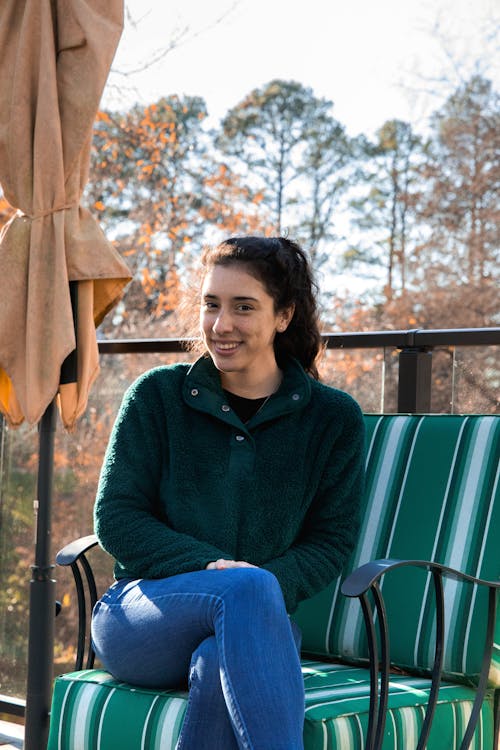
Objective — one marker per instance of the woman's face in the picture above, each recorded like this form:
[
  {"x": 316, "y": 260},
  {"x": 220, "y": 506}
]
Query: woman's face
[{"x": 238, "y": 321}]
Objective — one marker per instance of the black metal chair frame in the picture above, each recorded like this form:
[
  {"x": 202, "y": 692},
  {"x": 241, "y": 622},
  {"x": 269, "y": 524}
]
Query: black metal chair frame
[
  {"x": 362, "y": 583},
  {"x": 74, "y": 554},
  {"x": 365, "y": 581}
]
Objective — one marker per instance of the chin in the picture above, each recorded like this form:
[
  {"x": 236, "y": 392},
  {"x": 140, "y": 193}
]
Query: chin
[{"x": 225, "y": 366}]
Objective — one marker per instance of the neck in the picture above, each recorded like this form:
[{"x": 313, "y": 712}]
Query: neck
[{"x": 250, "y": 385}]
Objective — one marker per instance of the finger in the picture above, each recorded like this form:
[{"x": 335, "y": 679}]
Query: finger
[
  {"x": 216, "y": 564},
  {"x": 221, "y": 564}
]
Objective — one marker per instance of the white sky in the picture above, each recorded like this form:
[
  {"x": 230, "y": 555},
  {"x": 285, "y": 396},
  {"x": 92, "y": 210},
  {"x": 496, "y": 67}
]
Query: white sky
[{"x": 362, "y": 54}]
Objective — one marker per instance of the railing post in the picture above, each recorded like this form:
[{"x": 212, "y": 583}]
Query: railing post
[{"x": 414, "y": 383}]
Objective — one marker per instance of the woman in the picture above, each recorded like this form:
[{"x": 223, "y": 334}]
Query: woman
[{"x": 229, "y": 492}]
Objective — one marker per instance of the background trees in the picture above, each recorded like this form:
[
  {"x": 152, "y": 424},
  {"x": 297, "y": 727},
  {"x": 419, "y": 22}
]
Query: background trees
[
  {"x": 326, "y": 172},
  {"x": 410, "y": 215},
  {"x": 454, "y": 208},
  {"x": 461, "y": 206},
  {"x": 148, "y": 170},
  {"x": 285, "y": 140},
  {"x": 384, "y": 204},
  {"x": 264, "y": 133}
]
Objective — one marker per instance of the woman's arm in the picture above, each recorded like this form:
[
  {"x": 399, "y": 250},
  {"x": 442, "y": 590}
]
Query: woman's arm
[
  {"x": 127, "y": 514},
  {"x": 331, "y": 526}
]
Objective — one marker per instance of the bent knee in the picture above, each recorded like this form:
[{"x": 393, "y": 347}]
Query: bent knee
[{"x": 255, "y": 584}]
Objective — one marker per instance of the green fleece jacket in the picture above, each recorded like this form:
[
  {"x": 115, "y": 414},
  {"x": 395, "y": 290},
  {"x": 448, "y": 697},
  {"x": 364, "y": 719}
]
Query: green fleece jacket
[{"x": 185, "y": 482}]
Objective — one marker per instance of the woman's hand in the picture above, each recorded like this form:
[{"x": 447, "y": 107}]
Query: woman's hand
[{"x": 226, "y": 564}]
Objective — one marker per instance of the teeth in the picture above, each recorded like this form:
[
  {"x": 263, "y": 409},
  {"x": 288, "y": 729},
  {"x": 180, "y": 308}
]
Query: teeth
[{"x": 226, "y": 346}]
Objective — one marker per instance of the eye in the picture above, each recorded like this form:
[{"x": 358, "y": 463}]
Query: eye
[
  {"x": 244, "y": 307},
  {"x": 209, "y": 305}
]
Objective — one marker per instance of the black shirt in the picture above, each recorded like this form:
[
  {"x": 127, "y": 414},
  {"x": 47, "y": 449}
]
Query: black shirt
[{"x": 245, "y": 408}]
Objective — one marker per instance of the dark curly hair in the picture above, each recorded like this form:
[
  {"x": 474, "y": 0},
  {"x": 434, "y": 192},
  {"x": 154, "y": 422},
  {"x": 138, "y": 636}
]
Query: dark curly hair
[{"x": 282, "y": 267}]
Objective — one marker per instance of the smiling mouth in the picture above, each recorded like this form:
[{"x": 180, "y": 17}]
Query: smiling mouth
[{"x": 221, "y": 346}]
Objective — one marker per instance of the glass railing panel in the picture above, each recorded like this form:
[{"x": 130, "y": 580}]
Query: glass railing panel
[
  {"x": 369, "y": 375},
  {"x": 18, "y": 457},
  {"x": 465, "y": 380},
  {"x": 474, "y": 379}
]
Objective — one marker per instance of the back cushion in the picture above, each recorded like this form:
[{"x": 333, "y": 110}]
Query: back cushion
[{"x": 432, "y": 493}]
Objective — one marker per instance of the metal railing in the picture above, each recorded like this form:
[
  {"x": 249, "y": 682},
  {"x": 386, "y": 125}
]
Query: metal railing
[{"x": 415, "y": 354}]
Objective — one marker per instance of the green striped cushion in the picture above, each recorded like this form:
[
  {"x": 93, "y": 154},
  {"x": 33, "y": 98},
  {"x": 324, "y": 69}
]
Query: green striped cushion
[
  {"x": 91, "y": 711},
  {"x": 432, "y": 493},
  {"x": 337, "y": 701}
]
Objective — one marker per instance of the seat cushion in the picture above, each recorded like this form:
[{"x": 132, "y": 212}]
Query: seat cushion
[
  {"x": 93, "y": 711},
  {"x": 338, "y": 699}
]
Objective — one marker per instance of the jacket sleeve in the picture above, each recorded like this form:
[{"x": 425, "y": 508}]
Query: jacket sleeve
[
  {"x": 331, "y": 526},
  {"x": 127, "y": 519}
]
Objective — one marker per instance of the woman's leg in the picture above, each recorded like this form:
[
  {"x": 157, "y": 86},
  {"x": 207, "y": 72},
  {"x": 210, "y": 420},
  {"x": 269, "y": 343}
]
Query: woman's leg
[
  {"x": 147, "y": 631},
  {"x": 260, "y": 667},
  {"x": 207, "y": 724}
]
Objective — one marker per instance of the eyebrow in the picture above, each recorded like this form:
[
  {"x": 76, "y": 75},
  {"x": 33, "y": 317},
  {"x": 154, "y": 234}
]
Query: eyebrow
[{"x": 236, "y": 299}]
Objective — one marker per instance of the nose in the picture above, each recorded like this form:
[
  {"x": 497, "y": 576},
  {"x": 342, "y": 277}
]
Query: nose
[{"x": 223, "y": 322}]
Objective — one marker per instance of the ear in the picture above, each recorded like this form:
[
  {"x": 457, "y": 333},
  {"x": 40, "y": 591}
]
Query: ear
[{"x": 285, "y": 316}]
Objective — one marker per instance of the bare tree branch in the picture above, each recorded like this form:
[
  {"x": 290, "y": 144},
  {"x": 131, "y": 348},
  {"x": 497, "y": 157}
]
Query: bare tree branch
[
  {"x": 456, "y": 59},
  {"x": 179, "y": 36}
]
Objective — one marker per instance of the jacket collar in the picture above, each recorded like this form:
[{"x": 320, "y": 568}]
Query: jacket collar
[{"x": 202, "y": 391}]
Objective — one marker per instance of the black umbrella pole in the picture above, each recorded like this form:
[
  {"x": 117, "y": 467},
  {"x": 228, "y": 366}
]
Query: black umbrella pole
[{"x": 42, "y": 596}]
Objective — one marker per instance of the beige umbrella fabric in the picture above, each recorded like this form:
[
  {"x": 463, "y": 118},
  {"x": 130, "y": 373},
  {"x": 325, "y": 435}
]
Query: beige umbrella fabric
[{"x": 55, "y": 57}]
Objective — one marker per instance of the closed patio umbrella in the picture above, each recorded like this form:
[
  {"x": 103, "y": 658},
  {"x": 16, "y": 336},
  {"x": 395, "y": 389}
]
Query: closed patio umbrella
[{"x": 58, "y": 274}]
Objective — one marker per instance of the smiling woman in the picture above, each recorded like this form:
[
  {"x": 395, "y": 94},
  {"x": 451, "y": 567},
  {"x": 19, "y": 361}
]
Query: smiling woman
[{"x": 229, "y": 493}]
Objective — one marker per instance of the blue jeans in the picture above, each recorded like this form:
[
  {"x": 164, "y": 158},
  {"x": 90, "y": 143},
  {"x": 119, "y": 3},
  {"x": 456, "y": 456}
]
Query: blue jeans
[{"x": 226, "y": 633}]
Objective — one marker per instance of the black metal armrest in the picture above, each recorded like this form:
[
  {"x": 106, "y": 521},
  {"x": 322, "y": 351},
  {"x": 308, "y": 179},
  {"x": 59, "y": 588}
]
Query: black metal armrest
[
  {"x": 74, "y": 555},
  {"x": 364, "y": 581},
  {"x": 361, "y": 579},
  {"x": 72, "y": 551}
]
